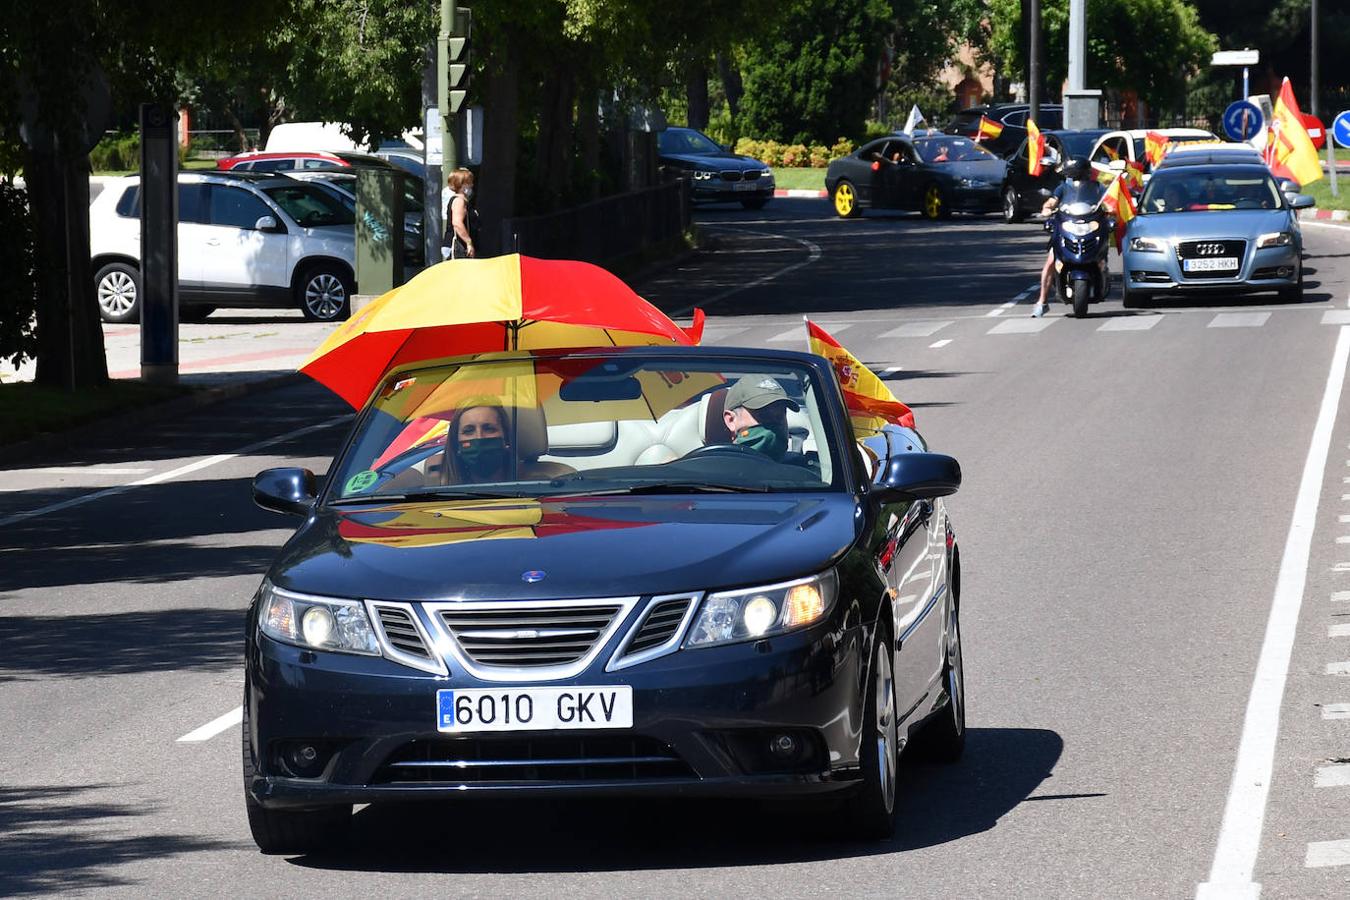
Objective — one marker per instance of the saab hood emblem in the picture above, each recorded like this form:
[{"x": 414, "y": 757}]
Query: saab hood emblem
[{"x": 532, "y": 576}]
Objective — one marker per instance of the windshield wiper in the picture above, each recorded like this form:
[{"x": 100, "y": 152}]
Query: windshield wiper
[
  {"x": 675, "y": 487},
  {"x": 421, "y": 497}
]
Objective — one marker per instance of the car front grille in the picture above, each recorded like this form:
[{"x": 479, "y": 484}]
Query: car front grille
[
  {"x": 1211, "y": 250},
  {"x": 526, "y": 634},
  {"x": 662, "y": 621},
  {"x": 401, "y": 633},
  {"x": 518, "y": 759},
  {"x": 730, "y": 175}
]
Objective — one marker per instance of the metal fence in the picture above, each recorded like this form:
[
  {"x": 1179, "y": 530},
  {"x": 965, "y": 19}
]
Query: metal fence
[{"x": 604, "y": 230}]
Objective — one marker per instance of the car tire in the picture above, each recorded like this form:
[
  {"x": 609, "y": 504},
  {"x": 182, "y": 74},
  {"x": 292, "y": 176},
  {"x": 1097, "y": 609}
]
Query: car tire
[
  {"x": 869, "y": 812},
  {"x": 757, "y": 203},
  {"x": 290, "y": 831},
  {"x": 845, "y": 200},
  {"x": 194, "y": 313},
  {"x": 934, "y": 204},
  {"x": 324, "y": 293},
  {"x": 943, "y": 737},
  {"x": 1132, "y": 299},
  {"x": 1012, "y": 206},
  {"x": 118, "y": 289},
  {"x": 1293, "y": 293}
]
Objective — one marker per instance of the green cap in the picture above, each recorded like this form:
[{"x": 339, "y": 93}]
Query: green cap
[{"x": 757, "y": 392}]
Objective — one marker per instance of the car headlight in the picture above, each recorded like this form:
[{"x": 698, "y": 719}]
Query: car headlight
[
  {"x": 1275, "y": 239},
  {"x": 1079, "y": 229},
  {"x": 749, "y": 614},
  {"x": 701, "y": 174},
  {"x": 971, "y": 183},
  {"x": 317, "y": 623},
  {"x": 1146, "y": 245},
  {"x": 766, "y": 173}
]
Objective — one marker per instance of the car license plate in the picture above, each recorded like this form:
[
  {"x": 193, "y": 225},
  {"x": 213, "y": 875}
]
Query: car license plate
[
  {"x": 534, "y": 708},
  {"x": 745, "y": 186},
  {"x": 1216, "y": 264}
]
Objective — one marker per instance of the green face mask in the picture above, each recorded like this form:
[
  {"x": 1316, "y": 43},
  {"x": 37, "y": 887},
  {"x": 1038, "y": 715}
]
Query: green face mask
[
  {"x": 771, "y": 442},
  {"x": 483, "y": 457}
]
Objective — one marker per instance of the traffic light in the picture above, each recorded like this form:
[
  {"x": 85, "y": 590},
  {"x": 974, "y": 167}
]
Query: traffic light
[{"x": 456, "y": 62}]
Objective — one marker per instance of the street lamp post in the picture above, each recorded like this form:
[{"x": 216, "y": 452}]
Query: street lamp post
[{"x": 1034, "y": 62}]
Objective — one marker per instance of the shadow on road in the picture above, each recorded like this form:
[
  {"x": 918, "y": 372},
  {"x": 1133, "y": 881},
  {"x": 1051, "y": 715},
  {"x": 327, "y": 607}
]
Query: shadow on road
[
  {"x": 58, "y": 840},
  {"x": 1002, "y": 768}
]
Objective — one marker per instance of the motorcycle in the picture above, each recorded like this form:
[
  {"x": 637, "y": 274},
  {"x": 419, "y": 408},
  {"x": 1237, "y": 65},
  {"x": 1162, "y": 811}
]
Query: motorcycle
[{"x": 1080, "y": 237}]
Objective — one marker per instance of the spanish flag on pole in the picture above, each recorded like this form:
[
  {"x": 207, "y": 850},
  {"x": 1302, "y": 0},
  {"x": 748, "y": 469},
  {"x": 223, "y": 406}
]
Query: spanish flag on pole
[
  {"x": 870, "y": 403},
  {"x": 988, "y": 129},
  {"x": 1289, "y": 150},
  {"x": 1118, "y": 202},
  {"x": 1155, "y": 147},
  {"x": 1035, "y": 149}
]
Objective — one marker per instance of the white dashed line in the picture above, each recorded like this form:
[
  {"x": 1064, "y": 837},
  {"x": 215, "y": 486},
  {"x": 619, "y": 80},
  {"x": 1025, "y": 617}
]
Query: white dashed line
[
  {"x": 1002, "y": 308},
  {"x": 938, "y": 345},
  {"x": 1340, "y": 596},
  {"x": 1327, "y": 853},
  {"x": 1343, "y": 539},
  {"x": 1022, "y": 326},
  {"x": 916, "y": 329},
  {"x": 1343, "y": 518},
  {"x": 1130, "y": 323},
  {"x": 1244, "y": 812},
  {"x": 798, "y": 332},
  {"x": 1338, "y": 668},
  {"x": 1239, "y": 320},
  {"x": 1336, "y": 317},
  {"x": 1333, "y": 776},
  {"x": 1336, "y": 711},
  {"x": 890, "y": 370},
  {"x": 1339, "y": 630},
  {"x": 214, "y": 727}
]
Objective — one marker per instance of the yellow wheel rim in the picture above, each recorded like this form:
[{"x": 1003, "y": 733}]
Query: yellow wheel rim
[
  {"x": 844, "y": 199},
  {"x": 932, "y": 201}
]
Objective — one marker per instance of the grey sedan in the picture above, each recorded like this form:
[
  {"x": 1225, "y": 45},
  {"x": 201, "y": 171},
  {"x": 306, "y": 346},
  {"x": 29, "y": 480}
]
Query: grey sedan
[{"x": 1224, "y": 229}]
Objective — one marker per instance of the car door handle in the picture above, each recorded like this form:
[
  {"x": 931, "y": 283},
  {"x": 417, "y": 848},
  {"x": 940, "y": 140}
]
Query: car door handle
[{"x": 213, "y": 242}]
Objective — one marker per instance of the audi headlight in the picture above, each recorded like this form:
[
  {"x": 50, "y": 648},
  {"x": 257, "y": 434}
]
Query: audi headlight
[
  {"x": 749, "y": 614},
  {"x": 701, "y": 174},
  {"x": 1079, "y": 229},
  {"x": 1146, "y": 245},
  {"x": 1275, "y": 239},
  {"x": 316, "y": 623}
]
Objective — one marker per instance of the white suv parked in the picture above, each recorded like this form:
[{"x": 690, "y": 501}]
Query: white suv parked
[{"x": 243, "y": 240}]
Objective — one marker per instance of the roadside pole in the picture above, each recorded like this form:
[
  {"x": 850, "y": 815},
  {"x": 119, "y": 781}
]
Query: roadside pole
[
  {"x": 452, "y": 68},
  {"x": 432, "y": 227},
  {"x": 159, "y": 244}
]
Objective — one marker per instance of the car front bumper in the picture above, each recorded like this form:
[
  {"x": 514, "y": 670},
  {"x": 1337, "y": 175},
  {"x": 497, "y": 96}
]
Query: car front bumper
[
  {"x": 1266, "y": 269},
  {"x": 708, "y": 713},
  {"x": 988, "y": 198},
  {"x": 724, "y": 192}
]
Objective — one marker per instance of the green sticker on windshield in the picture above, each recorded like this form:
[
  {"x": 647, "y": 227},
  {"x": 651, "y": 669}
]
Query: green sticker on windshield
[{"x": 361, "y": 481}]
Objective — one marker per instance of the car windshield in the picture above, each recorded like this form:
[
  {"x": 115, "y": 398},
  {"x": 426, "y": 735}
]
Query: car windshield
[
  {"x": 951, "y": 149},
  {"x": 685, "y": 140},
  {"x": 515, "y": 425},
  {"x": 1174, "y": 141},
  {"x": 310, "y": 206},
  {"x": 1079, "y": 144},
  {"x": 1187, "y": 189}
]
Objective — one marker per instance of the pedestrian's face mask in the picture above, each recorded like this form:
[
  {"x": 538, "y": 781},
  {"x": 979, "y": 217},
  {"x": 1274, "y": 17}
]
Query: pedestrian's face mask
[
  {"x": 483, "y": 457},
  {"x": 771, "y": 440}
]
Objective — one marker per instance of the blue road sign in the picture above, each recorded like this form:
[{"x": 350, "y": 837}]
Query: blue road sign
[
  {"x": 1242, "y": 120},
  {"x": 1340, "y": 129}
]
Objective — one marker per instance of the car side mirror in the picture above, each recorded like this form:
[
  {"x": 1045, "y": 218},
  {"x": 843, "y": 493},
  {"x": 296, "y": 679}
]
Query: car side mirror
[
  {"x": 268, "y": 224},
  {"x": 1290, "y": 186},
  {"x": 1300, "y": 201},
  {"x": 917, "y": 476},
  {"x": 287, "y": 490},
  {"x": 1116, "y": 165}
]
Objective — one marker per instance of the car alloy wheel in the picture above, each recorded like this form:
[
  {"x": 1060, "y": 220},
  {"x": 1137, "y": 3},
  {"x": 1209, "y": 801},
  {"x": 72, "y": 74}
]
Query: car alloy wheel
[
  {"x": 869, "y": 813},
  {"x": 886, "y": 739},
  {"x": 1012, "y": 211},
  {"x": 117, "y": 288},
  {"x": 845, "y": 200},
  {"x": 943, "y": 737},
  {"x": 933, "y": 205},
  {"x": 325, "y": 295}
]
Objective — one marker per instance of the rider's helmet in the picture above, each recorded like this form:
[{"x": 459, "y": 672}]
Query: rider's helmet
[{"x": 1077, "y": 169}]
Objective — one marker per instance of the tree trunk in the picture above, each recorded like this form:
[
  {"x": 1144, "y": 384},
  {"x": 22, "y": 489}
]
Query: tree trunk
[
  {"x": 731, "y": 82},
  {"x": 696, "y": 91},
  {"x": 553, "y": 149},
  {"x": 588, "y": 136},
  {"x": 70, "y": 351},
  {"x": 496, "y": 181}
]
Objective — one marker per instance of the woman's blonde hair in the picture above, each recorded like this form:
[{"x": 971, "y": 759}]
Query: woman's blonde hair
[{"x": 459, "y": 178}]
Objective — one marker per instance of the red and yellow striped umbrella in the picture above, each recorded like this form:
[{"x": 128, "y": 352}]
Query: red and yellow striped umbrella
[{"x": 466, "y": 306}]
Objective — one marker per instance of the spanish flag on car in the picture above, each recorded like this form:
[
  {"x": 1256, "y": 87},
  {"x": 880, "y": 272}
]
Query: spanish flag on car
[
  {"x": 1289, "y": 151},
  {"x": 1155, "y": 147},
  {"x": 988, "y": 129},
  {"x": 1035, "y": 149},
  {"x": 1118, "y": 202},
  {"x": 870, "y": 403}
]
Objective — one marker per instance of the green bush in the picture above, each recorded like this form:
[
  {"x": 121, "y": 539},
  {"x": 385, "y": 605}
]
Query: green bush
[
  {"x": 842, "y": 147},
  {"x": 875, "y": 129},
  {"x": 116, "y": 153},
  {"x": 819, "y": 156},
  {"x": 771, "y": 153},
  {"x": 749, "y": 147},
  {"x": 795, "y": 155}
]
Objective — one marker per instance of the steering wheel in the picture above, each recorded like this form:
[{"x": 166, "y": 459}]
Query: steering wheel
[{"x": 721, "y": 450}]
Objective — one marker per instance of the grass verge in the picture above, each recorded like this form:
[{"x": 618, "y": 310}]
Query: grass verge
[
  {"x": 189, "y": 166},
  {"x": 1320, "y": 191},
  {"x": 28, "y": 410},
  {"x": 799, "y": 179}
]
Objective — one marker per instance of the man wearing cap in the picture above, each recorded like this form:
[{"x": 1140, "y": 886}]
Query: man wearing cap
[{"x": 756, "y": 415}]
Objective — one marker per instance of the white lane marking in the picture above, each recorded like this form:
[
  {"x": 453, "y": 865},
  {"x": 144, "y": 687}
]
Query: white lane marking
[
  {"x": 1130, "y": 323},
  {"x": 1343, "y": 539},
  {"x": 1340, "y": 596},
  {"x": 215, "y": 726},
  {"x": 1245, "y": 811},
  {"x": 1336, "y": 711},
  {"x": 798, "y": 332},
  {"x": 1339, "y": 630},
  {"x": 1338, "y": 668},
  {"x": 890, "y": 370},
  {"x": 1239, "y": 320},
  {"x": 916, "y": 329},
  {"x": 166, "y": 476},
  {"x": 1343, "y": 518},
  {"x": 84, "y": 470},
  {"x": 1341, "y": 567},
  {"x": 1336, "y": 317},
  {"x": 1337, "y": 775},
  {"x": 1327, "y": 853},
  {"x": 813, "y": 254},
  {"x": 938, "y": 345},
  {"x": 1028, "y": 292},
  {"x": 1022, "y": 326},
  {"x": 1002, "y": 307}
]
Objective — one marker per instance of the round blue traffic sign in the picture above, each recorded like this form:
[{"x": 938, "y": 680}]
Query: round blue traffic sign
[
  {"x": 1340, "y": 129},
  {"x": 1242, "y": 120}
]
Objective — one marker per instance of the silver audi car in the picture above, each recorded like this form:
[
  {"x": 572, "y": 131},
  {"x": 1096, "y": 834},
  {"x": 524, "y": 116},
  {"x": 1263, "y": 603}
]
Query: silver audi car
[{"x": 1222, "y": 229}]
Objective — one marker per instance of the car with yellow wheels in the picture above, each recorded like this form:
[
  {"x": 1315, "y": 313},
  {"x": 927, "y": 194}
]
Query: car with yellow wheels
[{"x": 935, "y": 174}]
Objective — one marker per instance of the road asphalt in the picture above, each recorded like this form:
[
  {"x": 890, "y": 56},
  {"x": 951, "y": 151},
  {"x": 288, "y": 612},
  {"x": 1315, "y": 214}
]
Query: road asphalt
[{"x": 1137, "y": 488}]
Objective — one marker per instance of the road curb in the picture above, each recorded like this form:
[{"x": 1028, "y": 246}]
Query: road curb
[
  {"x": 799, "y": 192},
  {"x": 1325, "y": 215},
  {"x": 144, "y": 415}
]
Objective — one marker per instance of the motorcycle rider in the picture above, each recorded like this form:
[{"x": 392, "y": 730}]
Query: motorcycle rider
[{"x": 1079, "y": 186}]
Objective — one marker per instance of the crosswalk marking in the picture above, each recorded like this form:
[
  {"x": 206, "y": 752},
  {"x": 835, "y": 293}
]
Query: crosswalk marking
[
  {"x": 713, "y": 334},
  {"x": 1340, "y": 596},
  {"x": 916, "y": 329},
  {"x": 1339, "y": 630},
  {"x": 1130, "y": 323},
  {"x": 1338, "y": 668},
  {"x": 1336, "y": 775},
  {"x": 1336, "y": 710},
  {"x": 1336, "y": 317},
  {"x": 1327, "y": 853},
  {"x": 798, "y": 332},
  {"x": 1021, "y": 326},
  {"x": 938, "y": 345},
  {"x": 1239, "y": 320}
]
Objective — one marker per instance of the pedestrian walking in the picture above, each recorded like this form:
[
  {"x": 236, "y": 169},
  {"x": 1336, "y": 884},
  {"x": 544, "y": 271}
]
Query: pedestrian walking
[{"x": 461, "y": 217}]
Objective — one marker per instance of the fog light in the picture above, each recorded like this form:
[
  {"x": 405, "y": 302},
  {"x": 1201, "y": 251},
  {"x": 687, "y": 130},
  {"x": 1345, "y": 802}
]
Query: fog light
[
  {"x": 783, "y": 746},
  {"x": 304, "y": 760},
  {"x": 1284, "y": 271}
]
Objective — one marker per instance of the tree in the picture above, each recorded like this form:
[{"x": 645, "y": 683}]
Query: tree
[{"x": 1145, "y": 45}]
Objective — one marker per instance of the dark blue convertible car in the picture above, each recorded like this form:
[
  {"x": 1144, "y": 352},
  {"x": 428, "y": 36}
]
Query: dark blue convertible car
[{"x": 624, "y": 571}]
